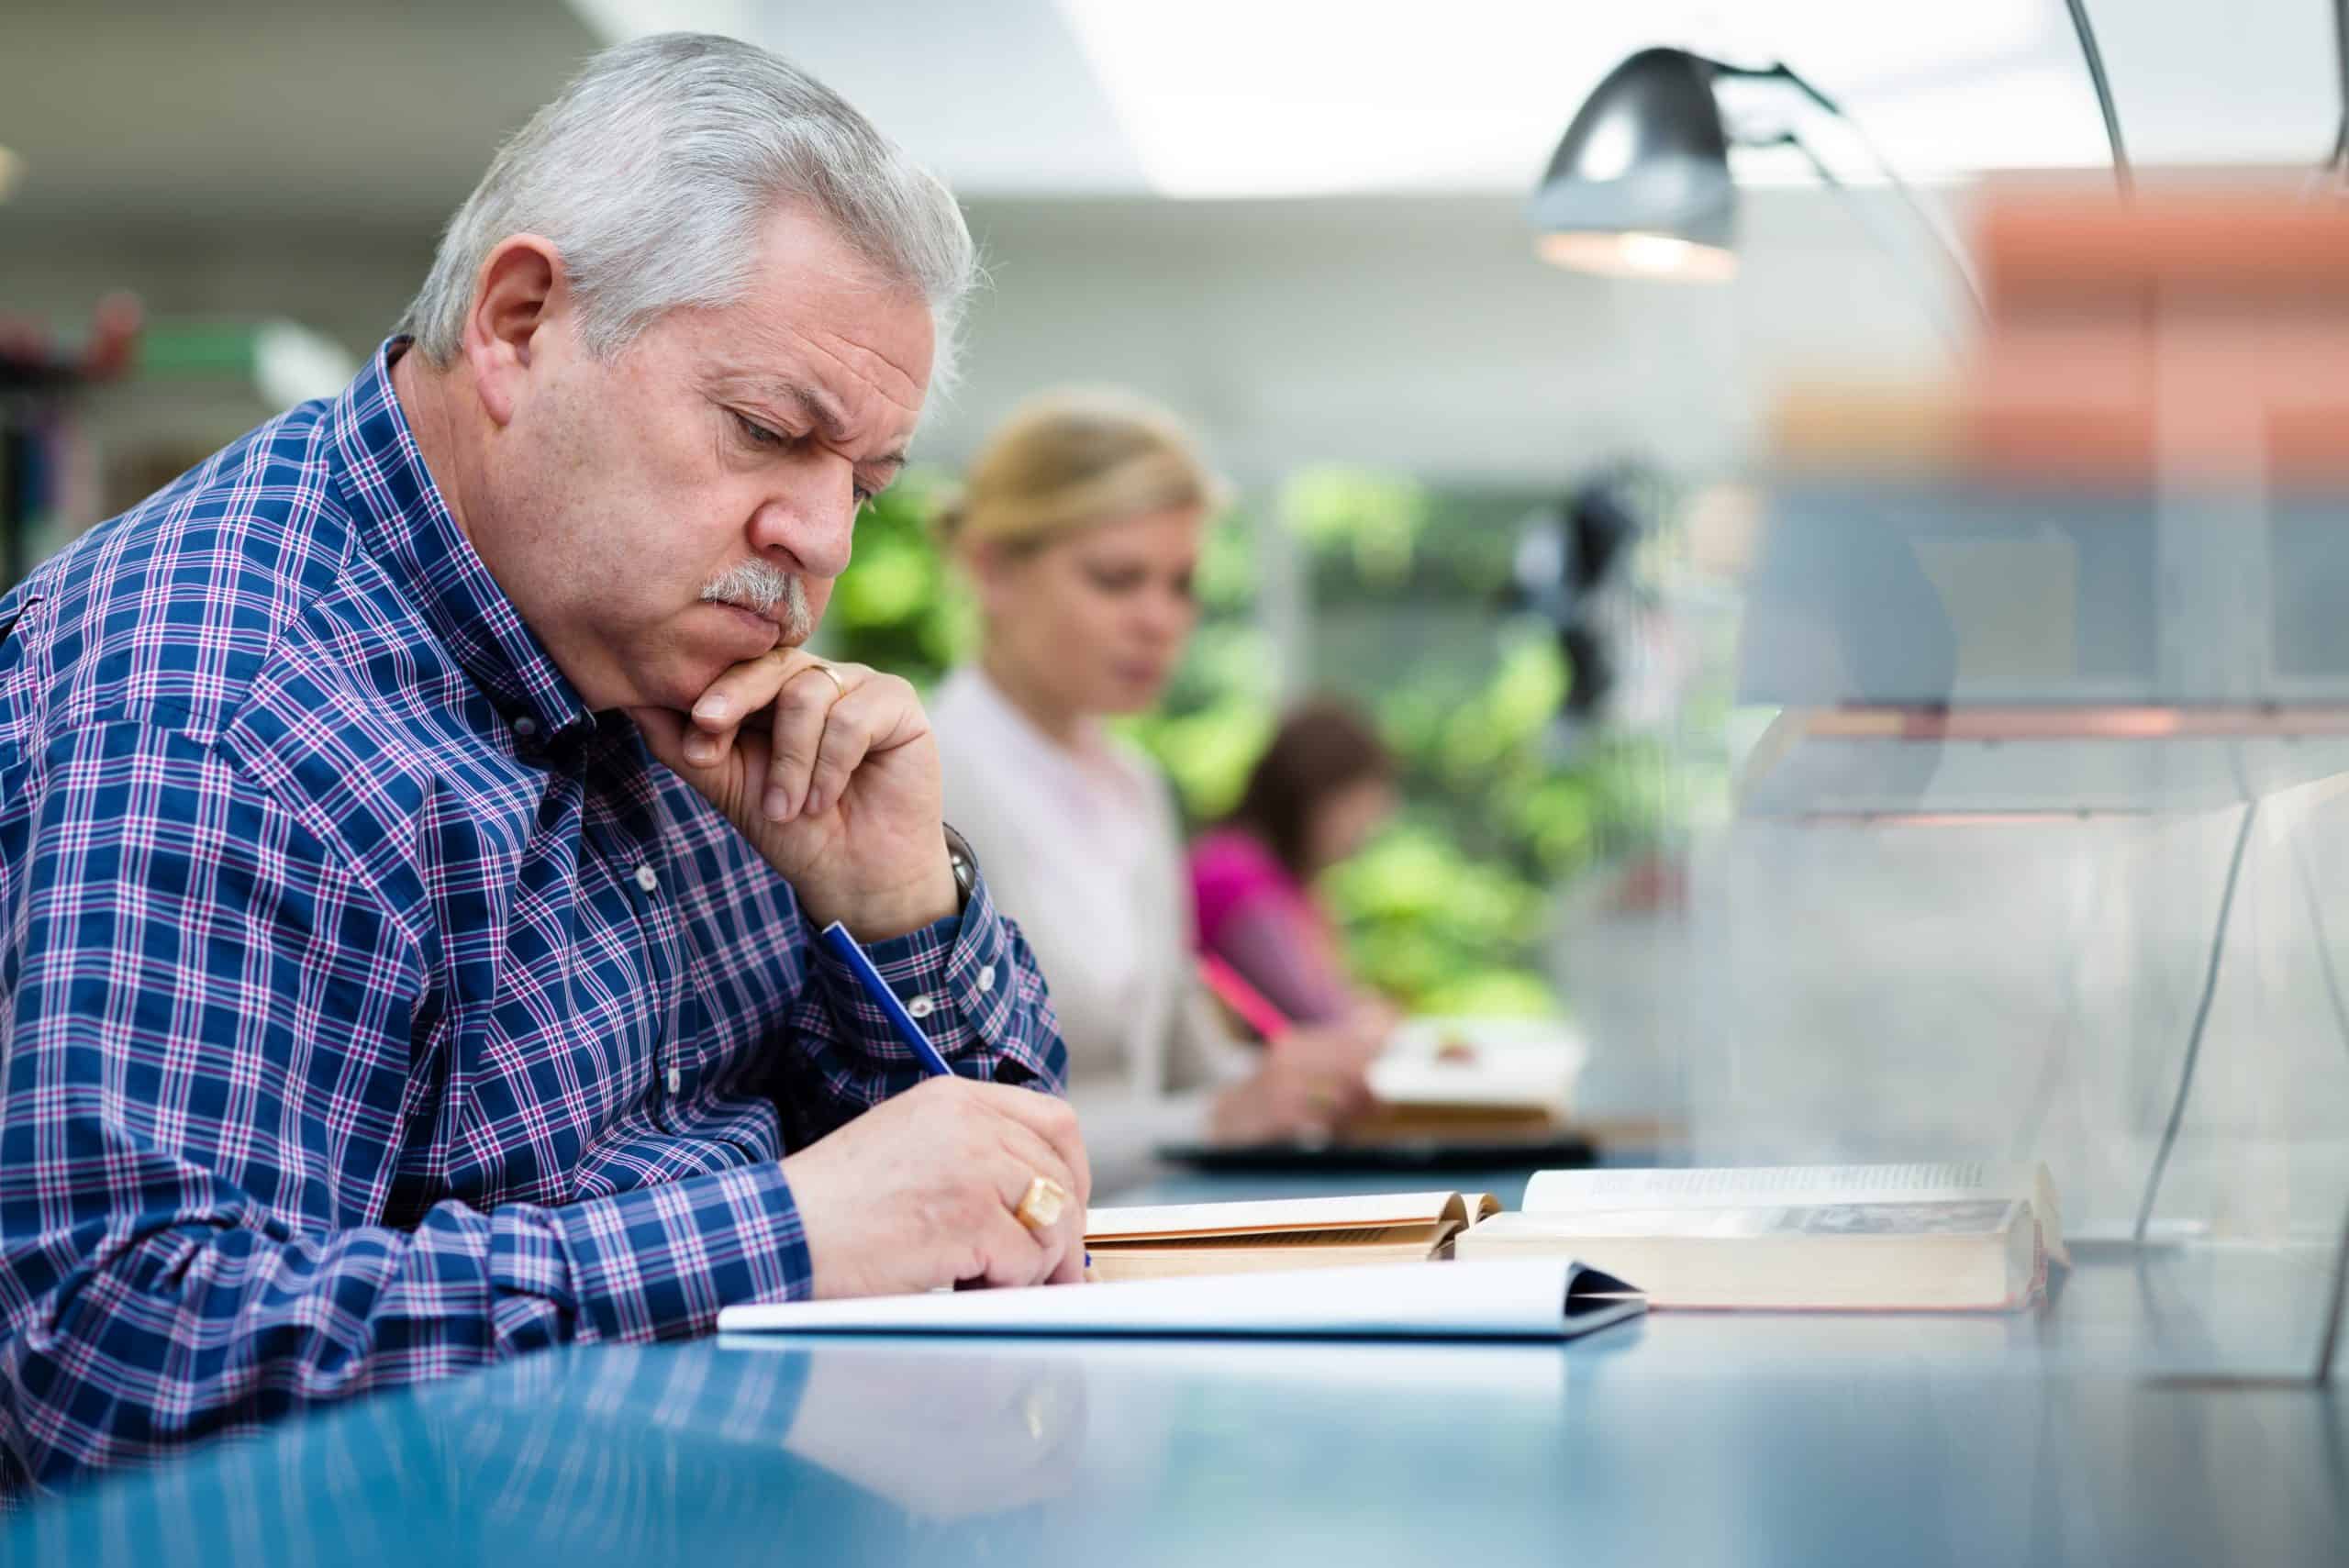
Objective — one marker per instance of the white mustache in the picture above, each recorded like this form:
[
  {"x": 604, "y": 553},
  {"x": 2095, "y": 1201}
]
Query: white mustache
[{"x": 759, "y": 586}]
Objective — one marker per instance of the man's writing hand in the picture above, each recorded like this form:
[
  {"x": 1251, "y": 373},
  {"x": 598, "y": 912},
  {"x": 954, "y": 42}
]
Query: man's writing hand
[{"x": 918, "y": 1192}]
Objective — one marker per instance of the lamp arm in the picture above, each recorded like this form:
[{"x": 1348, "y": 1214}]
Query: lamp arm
[
  {"x": 2089, "y": 51},
  {"x": 1948, "y": 247},
  {"x": 1883, "y": 242},
  {"x": 1787, "y": 73},
  {"x": 1781, "y": 71},
  {"x": 2335, "y": 165},
  {"x": 2103, "y": 85},
  {"x": 1951, "y": 251}
]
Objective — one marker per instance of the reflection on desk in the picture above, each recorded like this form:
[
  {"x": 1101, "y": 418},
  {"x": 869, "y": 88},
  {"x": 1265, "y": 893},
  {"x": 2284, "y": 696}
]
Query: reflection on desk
[{"x": 1689, "y": 1439}]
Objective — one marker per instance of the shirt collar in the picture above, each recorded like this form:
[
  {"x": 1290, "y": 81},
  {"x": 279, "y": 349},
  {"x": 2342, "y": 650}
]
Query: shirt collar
[{"x": 408, "y": 527}]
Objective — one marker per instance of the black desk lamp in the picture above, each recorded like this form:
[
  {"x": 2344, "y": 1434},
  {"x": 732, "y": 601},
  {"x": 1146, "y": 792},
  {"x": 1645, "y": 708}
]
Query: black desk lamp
[{"x": 1640, "y": 184}]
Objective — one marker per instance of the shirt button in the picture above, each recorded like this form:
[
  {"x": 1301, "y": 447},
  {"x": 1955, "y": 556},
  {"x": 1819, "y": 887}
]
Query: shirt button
[
  {"x": 648, "y": 879},
  {"x": 675, "y": 1078},
  {"x": 921, "y": 1006},
  {"x": 987, "y": 978},
  {"x": 526, "y": 727}
]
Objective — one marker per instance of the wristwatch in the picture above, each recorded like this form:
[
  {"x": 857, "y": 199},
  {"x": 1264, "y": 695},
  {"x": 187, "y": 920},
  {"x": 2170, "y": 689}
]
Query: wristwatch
[{"x": 966, "y": 866}]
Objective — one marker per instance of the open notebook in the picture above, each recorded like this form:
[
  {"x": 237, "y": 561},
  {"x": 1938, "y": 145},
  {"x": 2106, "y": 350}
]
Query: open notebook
[
  {"x": 1518, "y": 1298},
  {"x": 1172, "y": 1239},
  {"x": 1917, "y": 1238}
]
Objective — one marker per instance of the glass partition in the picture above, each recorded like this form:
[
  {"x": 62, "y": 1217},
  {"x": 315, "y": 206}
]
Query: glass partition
[{"x": 2038, "y": 849}]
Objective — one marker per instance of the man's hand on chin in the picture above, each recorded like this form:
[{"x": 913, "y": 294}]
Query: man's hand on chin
[{"x": 835, "y": 780}]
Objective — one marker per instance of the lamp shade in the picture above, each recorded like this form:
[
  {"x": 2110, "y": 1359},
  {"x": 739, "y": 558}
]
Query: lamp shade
[{"x": 1639, "y": 183}]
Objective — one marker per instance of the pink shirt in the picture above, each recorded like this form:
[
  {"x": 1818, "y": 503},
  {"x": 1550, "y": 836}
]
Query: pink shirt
[{"x": 1262, "y": 921}]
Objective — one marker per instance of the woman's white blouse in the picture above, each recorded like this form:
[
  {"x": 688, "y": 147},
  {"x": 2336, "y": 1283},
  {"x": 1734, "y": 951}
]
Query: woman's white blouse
[{"x": 1082, "y": 846}]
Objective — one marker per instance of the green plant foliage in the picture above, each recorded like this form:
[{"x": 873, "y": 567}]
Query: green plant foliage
[
  {"x": 1226, "y": 576},
  {"x": 1374, "y": 519},
  {"x": 1446, "y": 911},
  {"x": 901, "y": 607},
  {"x": 1207, "y": 752}
]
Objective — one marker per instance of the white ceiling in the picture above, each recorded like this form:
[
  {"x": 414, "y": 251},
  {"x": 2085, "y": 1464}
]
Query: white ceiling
[
  {"x": 296, "y": 157},
  {"x": 1289, "y": 97},
  {"x": 380, "y": 114}
]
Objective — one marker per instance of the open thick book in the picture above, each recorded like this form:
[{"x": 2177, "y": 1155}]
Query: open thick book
[
  {"x": 1916, "y": 1238},
  {"x": 1172, "y": 1239}
]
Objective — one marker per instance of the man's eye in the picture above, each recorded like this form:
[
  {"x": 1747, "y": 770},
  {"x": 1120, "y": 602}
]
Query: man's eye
[
  {"x": 758, "y": 435},
  {"x": 865, "y": 494}
]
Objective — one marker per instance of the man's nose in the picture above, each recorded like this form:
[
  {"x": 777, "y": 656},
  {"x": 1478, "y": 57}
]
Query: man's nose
[{"x": 813, "y": 533}]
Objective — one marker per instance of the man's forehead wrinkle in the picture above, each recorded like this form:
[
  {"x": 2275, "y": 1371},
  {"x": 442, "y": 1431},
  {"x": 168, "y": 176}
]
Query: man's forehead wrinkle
[
  {"x": 822, "y": 409},
  {"x": 780, "y": 336},
  {"x": 860, "y": 361}
]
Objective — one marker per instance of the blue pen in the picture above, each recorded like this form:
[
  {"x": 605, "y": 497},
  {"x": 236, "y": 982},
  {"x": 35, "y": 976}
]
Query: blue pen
[
  {"x": 868, "y": 974},
  {"x": 845, "y": 947}
]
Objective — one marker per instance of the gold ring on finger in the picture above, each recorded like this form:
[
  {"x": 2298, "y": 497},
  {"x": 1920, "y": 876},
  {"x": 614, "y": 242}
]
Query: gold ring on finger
[
  {"x": 830, "y": 674},
  {"x": 1041, "y": 1206}
]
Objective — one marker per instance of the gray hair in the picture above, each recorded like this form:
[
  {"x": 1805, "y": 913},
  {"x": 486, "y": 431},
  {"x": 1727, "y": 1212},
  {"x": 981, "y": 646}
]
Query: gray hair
[{"x": 653, "y": 172}]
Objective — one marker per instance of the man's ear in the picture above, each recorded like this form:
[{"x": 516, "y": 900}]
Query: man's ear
[{"x": 520, "y": 290}]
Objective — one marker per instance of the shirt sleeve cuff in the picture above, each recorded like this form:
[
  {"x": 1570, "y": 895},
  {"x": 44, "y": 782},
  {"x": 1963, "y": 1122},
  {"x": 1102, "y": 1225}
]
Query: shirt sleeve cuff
[
  {"x": 658, "y": 1262},
  {"x": 956, "y": 978}
]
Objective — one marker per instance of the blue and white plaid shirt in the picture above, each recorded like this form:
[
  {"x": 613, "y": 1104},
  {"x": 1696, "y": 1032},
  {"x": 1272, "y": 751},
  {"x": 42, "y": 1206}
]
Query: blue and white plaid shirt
[{"x": 371, "y": 1009}]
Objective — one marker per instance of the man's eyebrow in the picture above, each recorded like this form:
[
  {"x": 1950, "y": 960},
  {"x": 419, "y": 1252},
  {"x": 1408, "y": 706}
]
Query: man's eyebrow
[{"x": 818, "y": 407}]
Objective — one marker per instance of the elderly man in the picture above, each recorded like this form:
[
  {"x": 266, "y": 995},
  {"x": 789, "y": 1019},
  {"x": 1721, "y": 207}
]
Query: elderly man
[{"x": 413, "y": 821}]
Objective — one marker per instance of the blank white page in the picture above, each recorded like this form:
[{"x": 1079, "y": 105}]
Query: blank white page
[{"x": 1512, "y": 1298}]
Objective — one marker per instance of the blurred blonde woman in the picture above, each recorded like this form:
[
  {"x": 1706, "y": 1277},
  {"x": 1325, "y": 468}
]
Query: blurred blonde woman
[{"x": 1080, "y": 525}]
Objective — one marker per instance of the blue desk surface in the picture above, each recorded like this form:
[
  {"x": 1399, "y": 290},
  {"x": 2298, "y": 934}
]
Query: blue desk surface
[{"x": 2074, "y": 1435}]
